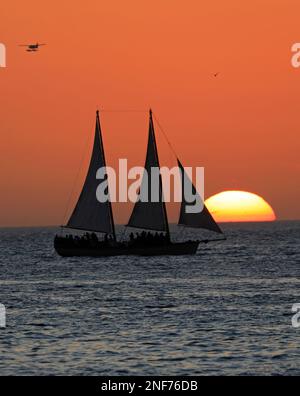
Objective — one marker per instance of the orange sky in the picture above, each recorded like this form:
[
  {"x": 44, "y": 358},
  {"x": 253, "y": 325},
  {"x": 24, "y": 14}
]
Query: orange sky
[{"x": 243, "y": 126}]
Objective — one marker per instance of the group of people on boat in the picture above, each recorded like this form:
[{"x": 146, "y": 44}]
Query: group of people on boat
[
  {"x": 91, "y": 240},
  {"x": 87, "y": 240},
  {"x": 148, "y": 239}
]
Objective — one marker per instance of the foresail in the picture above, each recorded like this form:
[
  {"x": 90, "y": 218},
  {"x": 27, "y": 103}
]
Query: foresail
[
  {"x": 202, "y": 219},
  {"x": 90, "y": 214},
  {"x": 147, "y": 214}
]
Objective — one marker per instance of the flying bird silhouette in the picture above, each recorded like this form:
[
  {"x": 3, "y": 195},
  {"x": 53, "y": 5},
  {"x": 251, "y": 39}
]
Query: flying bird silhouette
[{"x": 216, "y": 74}]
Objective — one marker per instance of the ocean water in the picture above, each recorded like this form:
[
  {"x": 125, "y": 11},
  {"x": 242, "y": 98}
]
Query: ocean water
[{"x": 224, "y": 311}]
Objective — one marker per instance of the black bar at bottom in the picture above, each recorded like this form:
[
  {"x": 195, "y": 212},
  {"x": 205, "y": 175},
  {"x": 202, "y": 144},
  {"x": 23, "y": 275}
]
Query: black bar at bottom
[{"x": 133, "y": 385}]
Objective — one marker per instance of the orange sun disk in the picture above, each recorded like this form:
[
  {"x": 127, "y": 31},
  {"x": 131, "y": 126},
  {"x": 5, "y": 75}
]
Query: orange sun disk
[{"x": 236, "y": 206}]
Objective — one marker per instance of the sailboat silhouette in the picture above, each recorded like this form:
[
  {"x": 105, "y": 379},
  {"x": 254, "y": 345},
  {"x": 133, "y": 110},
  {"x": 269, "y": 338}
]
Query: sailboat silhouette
[{"x": 93, "y": 216}]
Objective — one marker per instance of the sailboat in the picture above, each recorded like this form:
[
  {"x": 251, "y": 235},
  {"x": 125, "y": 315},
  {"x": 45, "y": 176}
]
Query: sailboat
[{"x": 93, "y": 217}]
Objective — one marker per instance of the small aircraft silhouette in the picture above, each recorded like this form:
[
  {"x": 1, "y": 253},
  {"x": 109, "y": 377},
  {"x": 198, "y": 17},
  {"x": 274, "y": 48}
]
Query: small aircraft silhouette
[{"x": 31, "y": 47}]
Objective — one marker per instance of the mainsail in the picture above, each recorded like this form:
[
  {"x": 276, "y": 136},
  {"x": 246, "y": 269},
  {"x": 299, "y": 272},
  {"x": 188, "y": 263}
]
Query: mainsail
[
  {"x": 90, "y": 214},
  {"x": 202, "y": 219},
  {"x": 146, "y": 213}
]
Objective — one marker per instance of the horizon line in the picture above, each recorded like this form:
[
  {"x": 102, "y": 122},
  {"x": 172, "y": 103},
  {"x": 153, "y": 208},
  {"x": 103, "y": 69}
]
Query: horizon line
[{"x": 118, "y": 224}]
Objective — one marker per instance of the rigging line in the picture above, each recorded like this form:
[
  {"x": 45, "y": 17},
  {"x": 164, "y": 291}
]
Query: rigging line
[
  {"x": 165, "y": 135},
  {"x": 76, "y": 177},
  {"x": 168, "y": 141},
  {"x": 123, "y": 111}
]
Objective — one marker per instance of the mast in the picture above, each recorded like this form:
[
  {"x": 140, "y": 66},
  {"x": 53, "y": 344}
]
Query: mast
[
  {"x": 111, "y": 216},
  {"x": 147, "y": 214},
  {"x": 89, "y": 214},
  {"x": 160, "y": 179}
]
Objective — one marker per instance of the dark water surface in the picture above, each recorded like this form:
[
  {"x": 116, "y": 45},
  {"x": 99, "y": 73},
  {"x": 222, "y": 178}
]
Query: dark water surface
[{"x": 226, "y": 310}]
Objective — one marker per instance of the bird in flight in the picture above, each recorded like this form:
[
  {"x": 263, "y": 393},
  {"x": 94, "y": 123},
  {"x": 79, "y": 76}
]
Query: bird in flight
[
  {"x": 216, "y": 74},
  {"x": 31, "y": 47}
]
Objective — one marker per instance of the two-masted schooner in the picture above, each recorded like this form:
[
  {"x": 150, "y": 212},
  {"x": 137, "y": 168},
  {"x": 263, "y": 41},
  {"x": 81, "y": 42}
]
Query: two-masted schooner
[{"x": 93, "y": 216}]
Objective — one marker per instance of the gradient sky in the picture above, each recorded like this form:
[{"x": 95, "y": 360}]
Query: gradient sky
[{"x": 242, "y": 126}]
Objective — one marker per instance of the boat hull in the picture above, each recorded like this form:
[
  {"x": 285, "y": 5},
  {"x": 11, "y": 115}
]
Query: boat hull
[{"x": 172, "y": 249}]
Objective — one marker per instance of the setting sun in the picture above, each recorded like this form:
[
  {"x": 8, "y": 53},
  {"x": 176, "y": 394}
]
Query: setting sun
[{"x": 238, "y": 206}]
